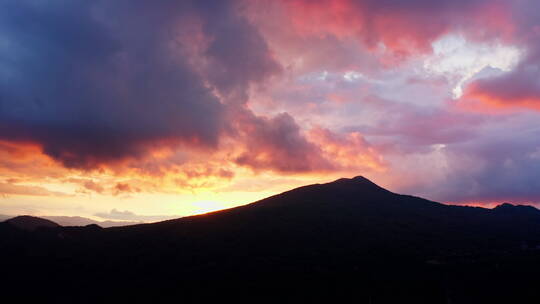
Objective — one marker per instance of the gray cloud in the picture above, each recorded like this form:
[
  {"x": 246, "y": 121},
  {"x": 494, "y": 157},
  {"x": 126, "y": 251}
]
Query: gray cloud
[{"x": 95, "y": 82}]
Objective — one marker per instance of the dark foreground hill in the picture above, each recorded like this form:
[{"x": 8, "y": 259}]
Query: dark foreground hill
[{"x": 345, "y": 241}]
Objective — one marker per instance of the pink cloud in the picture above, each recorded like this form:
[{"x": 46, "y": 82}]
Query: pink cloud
[{"x": 403, "y": 27}]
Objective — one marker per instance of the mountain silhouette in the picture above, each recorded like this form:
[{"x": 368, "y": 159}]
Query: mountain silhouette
[
  {"x": 348, "y": 240},
  {"x": 507, "y": 208},
  {"x": 77, "y": 221},
  {"x": 30, "y": 223}
]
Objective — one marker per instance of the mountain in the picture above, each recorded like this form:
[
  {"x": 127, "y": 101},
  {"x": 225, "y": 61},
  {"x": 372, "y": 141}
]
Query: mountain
[
  {"x": 30, "y": 223},
  {"x": 348, "y": 240}
]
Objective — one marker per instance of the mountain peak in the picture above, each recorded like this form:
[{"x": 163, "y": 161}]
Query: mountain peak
[
  {"x": 357, "y": 181},
  {"x": 361, "y": 179}
]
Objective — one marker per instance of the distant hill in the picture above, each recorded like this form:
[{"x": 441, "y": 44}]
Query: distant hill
[
  {"x": 30, "y": 223},
  {"x": 506, "y": 209},
  {"x": 78, "y": 221},
  {"x": 83, "y": 221},
  {"x": 345, "y": 241}
]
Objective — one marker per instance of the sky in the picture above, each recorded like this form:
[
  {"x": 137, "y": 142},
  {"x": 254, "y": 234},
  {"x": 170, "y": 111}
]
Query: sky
[{"x": 146, "y": 110}]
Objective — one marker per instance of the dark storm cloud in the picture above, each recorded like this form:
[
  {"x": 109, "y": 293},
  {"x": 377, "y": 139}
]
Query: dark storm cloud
[
  {"x": 238, "y": 54},
  {"x": 95, "y": 82}
]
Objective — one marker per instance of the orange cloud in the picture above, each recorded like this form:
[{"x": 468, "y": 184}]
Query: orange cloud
[
  {"x": 25, "y": 160},
  {"x": 512, "y": 91},
  {"x": 350, "y": 151},
  {"x": 7, "y": 189}
]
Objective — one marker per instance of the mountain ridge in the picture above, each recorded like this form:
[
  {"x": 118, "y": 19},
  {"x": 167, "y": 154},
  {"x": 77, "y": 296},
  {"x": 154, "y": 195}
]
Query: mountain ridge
[
  {"x": 358, "y": 183},
  {"x": 333, "y": 242}
]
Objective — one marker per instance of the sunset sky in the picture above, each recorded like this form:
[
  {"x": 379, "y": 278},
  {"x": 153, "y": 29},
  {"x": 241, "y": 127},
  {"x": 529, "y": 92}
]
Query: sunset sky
[{"x": 143, "y": 110}]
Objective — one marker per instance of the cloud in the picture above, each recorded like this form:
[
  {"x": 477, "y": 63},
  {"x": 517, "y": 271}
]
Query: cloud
[
  {"x": 123, "y": 97},
  {"x": 401, "y": 27},
  {"x": 277, "y": 144},
  {"x": 93, "y": 186},
  {"x": 124, "y": 188},
  {"x": 460, "y": 61},
  {"x": 497, "y": 163},
  {"x": 94, "y": 83},
  {"x": 126, "y": 215},
  {"x": 517, "y": 89},
  {"x": 25, "y": 161},
  {"x": 7, "y": 189},
  {"x": 495, "y": 169},
  {"x": 349, "y": 151},
  {"x": 418, "y": 127},
  {"x": 104, "y": 187}
]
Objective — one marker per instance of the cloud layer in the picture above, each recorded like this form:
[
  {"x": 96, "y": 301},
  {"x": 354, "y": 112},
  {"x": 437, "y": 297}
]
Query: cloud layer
[{"x": 122, "y": 99}]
